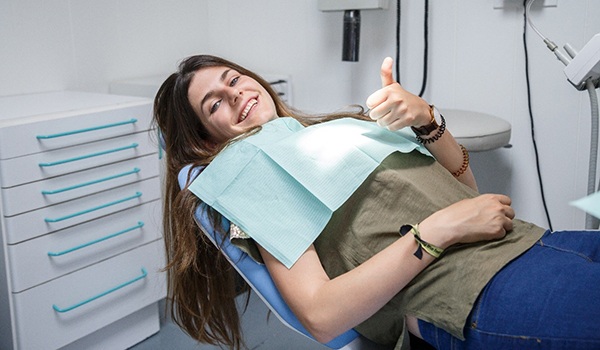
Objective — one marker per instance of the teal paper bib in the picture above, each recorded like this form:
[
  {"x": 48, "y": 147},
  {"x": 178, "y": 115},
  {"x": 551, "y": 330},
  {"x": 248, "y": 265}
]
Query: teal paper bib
[{"x": 282, "y": 184}]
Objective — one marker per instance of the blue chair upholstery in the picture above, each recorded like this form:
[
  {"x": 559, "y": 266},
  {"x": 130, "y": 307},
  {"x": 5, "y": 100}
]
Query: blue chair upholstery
[{"x": 258, "y": 278}]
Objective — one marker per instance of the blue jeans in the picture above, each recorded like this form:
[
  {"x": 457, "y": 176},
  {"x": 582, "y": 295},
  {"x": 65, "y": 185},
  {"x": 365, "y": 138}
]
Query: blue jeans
[{"x": 548, "y": 298}]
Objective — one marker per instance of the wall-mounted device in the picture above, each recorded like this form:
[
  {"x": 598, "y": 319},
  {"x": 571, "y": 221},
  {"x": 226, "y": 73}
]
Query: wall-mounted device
[
  {"x": 351, "y": 39},
  {"x": 500, "y": 4},
  {"x": 351, "y": 8},
  {"x": 585, "y": 64},
  {"x": 581, "y": 67}
]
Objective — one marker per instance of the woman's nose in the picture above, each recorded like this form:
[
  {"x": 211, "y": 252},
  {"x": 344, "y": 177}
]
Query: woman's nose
[{"x": 235, "y": 95}]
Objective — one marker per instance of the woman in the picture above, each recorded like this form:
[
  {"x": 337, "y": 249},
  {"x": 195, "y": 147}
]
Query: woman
[{"x": 455, "y": 278}]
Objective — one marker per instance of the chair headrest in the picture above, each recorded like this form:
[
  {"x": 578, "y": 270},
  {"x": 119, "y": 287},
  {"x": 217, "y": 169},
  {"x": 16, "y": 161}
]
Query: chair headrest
[{"x": 188, "y": 172}]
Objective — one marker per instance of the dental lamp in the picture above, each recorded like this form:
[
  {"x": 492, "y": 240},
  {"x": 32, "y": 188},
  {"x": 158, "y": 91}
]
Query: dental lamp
[
  {"x": 351, "y": 8},
  {"x": 582, "y": 70}
]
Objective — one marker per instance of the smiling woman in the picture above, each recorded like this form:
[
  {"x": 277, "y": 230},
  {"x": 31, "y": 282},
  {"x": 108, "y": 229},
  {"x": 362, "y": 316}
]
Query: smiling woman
[
  {"x": 407, "y": 243},
  {"x": 190, "y": 111}
]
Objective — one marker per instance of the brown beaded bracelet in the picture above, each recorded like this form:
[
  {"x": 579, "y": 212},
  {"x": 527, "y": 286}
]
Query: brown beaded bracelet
[
  {"x": 438, "y": 134},
  {"x": 465, "y": 163}
]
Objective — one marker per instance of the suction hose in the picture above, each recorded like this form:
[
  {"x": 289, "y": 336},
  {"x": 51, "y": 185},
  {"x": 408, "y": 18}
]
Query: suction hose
[{"x": 592, "y": 222}]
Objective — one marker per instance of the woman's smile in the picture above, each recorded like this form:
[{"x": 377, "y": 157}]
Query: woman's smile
[{"x": 246, "y": 110}]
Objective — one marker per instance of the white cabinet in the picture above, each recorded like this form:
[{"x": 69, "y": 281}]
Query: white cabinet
[{"x": 81, "y": 246}]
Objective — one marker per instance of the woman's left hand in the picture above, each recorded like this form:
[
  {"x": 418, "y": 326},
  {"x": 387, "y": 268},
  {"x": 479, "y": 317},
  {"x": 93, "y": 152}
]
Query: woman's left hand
[{"x": 395, "y": 108}]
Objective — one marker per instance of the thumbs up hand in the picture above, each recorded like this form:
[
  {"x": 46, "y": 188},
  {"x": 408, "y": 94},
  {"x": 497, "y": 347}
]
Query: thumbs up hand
[{"x": 393, "y": 107}]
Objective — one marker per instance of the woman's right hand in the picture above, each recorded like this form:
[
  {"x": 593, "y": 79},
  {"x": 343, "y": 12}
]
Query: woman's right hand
[
  {"x": 392, "y": 106},
  {"x": 485, "y": 217}
]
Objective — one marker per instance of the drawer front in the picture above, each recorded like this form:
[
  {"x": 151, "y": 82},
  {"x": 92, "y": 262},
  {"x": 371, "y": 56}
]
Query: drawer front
[
  {"x": 39, "y": 166},
  {"x": 41, "y": 136},
  {"x": 57, "y": 217},
  {"x": 68, "y": 250},
  {"x": 89, "y": 299},
  {"x": 55, "y": 190}
]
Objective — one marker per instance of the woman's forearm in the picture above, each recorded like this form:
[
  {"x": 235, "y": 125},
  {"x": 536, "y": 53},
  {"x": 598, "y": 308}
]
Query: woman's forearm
[
  {"x": 329, "y": 307},
  {"x": 450, "y": 155}
]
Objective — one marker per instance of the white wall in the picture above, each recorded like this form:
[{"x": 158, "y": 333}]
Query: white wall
[{"x": 476, "y": 62}]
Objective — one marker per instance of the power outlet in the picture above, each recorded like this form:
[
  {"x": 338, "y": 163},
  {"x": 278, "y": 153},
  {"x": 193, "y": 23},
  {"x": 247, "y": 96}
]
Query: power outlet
[{"x": 500, "y": 4}]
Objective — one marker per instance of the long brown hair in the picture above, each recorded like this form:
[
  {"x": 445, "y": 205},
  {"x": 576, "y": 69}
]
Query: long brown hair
[{"x": 201, "y": 282}]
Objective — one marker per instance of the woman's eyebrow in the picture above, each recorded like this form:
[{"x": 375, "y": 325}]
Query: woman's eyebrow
[{"x": 212, "y": 92}]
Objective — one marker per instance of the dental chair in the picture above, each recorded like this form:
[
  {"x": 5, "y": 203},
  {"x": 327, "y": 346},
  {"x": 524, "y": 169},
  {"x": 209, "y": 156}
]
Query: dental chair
[{"x": 258, "y": 278}]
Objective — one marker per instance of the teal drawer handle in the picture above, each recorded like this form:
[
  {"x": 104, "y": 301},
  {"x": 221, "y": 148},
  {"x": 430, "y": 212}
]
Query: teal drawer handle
[
  {"x": 140, "y": 224},
  {"x": 136, "y": 195},
  {"x": 69, "y": 188},
  {"x": 67, "y": 133},
  {"x": 133, "y": 145},
  {"x": 161, "y": 144},
  {"x": 74, "y": 306}
]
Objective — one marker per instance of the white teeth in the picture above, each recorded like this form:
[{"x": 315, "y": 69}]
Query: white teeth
[{"x": 249, "y": 106}]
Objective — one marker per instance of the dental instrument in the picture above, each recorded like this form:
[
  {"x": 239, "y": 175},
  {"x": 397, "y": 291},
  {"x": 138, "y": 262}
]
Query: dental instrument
[{"x": 582, "y": 70}]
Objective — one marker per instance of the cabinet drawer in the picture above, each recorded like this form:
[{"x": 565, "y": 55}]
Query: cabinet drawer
[
  {"x": 35, "y": 195},
  {"x": 49, "y": 219},
  {"x": 39, "y": 166},
  {"x": 49, "y": 134},
  {"x": 98, "y": 295},
  {"x": 79, "y": 246}
]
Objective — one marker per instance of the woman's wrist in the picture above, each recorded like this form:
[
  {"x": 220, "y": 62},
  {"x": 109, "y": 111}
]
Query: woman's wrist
[
  {"x": 433, "y": 131},
  {"x": 438, "y": 236},
  {"x": 422, "y": 245},
  {"x": 433, "y": 119}
]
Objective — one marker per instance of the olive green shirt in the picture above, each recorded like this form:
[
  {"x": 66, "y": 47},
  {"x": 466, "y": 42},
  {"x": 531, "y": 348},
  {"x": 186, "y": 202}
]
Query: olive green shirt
[{"x": 405, "y": 189}]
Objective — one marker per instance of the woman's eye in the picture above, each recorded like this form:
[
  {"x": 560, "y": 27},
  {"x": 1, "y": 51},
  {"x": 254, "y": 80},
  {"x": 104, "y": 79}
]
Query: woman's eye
[
  {"x": 234, "y": 81},
  {"x": 215, "y": 106}
]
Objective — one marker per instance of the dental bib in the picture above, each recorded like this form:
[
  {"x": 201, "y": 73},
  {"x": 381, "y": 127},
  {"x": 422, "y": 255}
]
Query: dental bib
[{"x": 282, "y": 184}]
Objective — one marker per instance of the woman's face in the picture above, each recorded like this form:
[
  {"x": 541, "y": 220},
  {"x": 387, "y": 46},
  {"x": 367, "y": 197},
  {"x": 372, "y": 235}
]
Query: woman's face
[{"x": 229, "y": 103}]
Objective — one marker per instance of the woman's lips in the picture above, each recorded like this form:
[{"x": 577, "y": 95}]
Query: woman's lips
[{"x": 246, "y": 110}]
